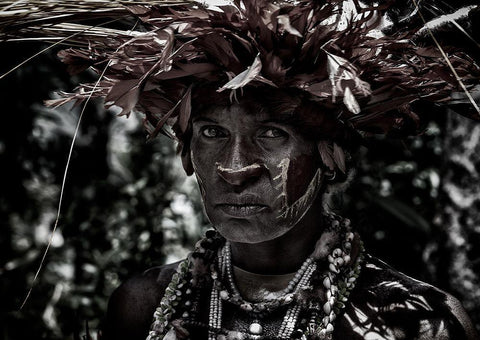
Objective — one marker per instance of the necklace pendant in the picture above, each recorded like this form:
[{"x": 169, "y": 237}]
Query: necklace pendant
[{"x": 255, "y": 328}]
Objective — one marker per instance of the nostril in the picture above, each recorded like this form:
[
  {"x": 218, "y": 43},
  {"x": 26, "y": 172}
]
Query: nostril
[{"x": 240, "y": 176}]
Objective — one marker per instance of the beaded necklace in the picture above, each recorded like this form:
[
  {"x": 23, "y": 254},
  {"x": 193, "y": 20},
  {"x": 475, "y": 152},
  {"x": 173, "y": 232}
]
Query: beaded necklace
[{"x": 209, "y": 269}]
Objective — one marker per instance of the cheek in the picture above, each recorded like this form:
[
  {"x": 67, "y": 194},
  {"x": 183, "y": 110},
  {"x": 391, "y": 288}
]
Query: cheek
[
  {"x": 300, "y": 173},
  {"x": 198, "y": 171}
]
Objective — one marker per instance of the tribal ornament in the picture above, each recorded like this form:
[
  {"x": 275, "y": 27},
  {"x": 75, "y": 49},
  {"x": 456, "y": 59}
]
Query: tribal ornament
[
  {"x": 305, "y": 318},
  {"x": 354, "y": 67}
]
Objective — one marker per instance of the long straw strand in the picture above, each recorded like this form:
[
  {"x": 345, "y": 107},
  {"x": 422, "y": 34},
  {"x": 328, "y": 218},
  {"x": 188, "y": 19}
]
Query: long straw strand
[
  {"x": 53, "y": 45},
  {"x": 465, "y": 32},
  {"x": 67, "y": 166},
  {"x": 457, "y": 77}
]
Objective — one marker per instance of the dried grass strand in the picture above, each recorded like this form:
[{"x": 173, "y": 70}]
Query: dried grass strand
[
  {"x": 52, "y": 46},
  {"x": 447, "y": 60},
  {"x": 62, "y": 189}
]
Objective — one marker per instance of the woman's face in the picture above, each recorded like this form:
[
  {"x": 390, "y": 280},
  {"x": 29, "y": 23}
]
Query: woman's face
[{"x": 258, "y": 176}]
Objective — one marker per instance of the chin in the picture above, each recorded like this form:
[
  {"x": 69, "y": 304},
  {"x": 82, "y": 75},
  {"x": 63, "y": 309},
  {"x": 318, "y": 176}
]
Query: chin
[{"x": 244, "y": 231}]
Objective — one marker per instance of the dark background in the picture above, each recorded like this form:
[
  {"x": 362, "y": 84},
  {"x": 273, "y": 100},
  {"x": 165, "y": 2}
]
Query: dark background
[{"x": 127, "y": 205}]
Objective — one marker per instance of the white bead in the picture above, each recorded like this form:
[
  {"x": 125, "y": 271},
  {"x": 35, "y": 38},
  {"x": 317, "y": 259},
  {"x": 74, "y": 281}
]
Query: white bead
[
  {"x": 171, "y": 335},
  {"x": 331, "y": 301},
  {"x": 327, "y": 307},
  {"x": 326, "y": 282},
  {"x": 332, "y": 316},
  {"x": 332, "y": 268},
  {"x": 246, "y": 306},
  {"x": 255, "y": 328},
  {"x": 349, "y": 237},
  {"x": 224, "y": 295},
  {"x": 329, "y": 328}
]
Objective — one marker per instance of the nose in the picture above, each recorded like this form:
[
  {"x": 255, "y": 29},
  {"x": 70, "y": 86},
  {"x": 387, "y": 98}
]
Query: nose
[{"x": 239, "y": 165}]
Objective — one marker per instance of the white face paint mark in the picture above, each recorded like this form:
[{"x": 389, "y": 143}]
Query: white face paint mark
[
  {"x": 240, "y": 170},
  {"x": 282, "y": 176},
  {"x": 299, "y": 208}
]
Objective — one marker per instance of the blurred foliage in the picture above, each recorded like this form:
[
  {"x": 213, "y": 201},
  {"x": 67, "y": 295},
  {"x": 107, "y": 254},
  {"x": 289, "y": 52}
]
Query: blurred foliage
[
  {"x": 394, "y": 199},
  {"x": 124, "y": 208},
  {"x": 128, "y": 206}
]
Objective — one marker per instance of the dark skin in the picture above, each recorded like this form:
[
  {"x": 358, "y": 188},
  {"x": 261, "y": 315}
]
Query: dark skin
[
  {"x": 236, "y": 156},
  {"x": 252, "y": 170}
]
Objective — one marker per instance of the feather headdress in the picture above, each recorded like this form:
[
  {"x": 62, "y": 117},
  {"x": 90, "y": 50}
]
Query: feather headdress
[{"x": 374, "y": 62}]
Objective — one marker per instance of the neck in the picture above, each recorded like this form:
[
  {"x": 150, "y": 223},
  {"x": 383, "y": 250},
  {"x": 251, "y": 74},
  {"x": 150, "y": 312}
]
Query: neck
[{"x": 284, "y": 254}]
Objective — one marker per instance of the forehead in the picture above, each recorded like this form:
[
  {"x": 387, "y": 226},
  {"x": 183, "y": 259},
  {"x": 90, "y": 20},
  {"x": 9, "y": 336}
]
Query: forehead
[{"x": 243, "y": 112}]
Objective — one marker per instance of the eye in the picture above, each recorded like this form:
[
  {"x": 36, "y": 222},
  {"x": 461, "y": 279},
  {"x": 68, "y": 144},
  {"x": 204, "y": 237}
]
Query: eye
[
  {"x": 212, "y": 132},
  {"x": 273, "y": 133}
]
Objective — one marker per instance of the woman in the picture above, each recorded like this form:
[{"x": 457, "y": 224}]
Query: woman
[{"x": 268, "y": 101}]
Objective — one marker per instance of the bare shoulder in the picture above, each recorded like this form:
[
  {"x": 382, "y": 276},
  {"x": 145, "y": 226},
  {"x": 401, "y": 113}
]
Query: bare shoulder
[
  {"x": 393, "y": 305},
  {"x": 459, "y": 313},
  {"x": 131, "y": 305}
]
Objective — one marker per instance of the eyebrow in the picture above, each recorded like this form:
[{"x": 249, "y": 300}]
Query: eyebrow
[
  {"x": 273, "y": 120},
  {"x": 204, "y": 119}
]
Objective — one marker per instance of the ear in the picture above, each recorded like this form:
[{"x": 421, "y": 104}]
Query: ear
[{"x": 187, "y": 161}]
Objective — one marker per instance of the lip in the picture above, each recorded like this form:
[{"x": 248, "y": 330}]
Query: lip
[{"x": 242, "y": 210}]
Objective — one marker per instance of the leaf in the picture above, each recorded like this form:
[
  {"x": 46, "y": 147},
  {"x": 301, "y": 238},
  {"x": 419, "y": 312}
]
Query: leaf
[
  {"x": 245, "y": 77},
  {"x": 284, "y": 22},
  {"x": 265, "y": 81},
  {"x": 326, "y": 154},
  {"x": 350, "y": 101},
  {"x": 123, "y": 94},
  {"x": 342, "y": 71},
  {"x": 162, "y": 121},
  {"x": 185, "y": 109},
  {"x": 273, "y": 68},
  {"x": 339, "y": 157},
  {"x": 77, "y": 60},
  {"x": 403, "y": 212},
  {"x": 185, "y": 70}
]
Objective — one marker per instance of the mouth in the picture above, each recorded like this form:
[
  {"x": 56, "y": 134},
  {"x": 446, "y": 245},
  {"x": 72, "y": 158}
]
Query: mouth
[{"x": 242, "y": 210}]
